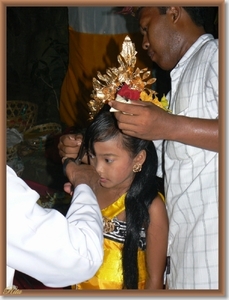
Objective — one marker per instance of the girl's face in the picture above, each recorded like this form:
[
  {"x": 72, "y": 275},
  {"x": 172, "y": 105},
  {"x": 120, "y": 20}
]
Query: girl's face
[{"x": 113, "y": 163}]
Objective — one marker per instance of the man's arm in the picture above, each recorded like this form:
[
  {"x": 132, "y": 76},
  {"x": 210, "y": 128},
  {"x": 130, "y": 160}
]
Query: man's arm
[
  {"x": 56, "y": 250},
  {"x": 147, "y": 121}
]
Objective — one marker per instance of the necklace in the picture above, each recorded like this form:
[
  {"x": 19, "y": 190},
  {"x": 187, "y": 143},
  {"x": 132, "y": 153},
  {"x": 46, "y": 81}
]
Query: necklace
[
  {"x": 110, "y": 212},
  {"x": 108, "y": 225}
]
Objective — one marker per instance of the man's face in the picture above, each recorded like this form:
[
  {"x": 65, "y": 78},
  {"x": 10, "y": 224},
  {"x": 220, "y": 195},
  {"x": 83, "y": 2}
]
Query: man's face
[{"x": 160, "y": 38}]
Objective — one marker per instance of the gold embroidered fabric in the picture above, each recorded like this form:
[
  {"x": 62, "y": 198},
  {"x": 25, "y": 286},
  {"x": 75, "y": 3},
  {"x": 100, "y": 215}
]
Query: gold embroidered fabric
[
  {"x": 115, "y": 208},
  {"x": 109, "y": 276}
]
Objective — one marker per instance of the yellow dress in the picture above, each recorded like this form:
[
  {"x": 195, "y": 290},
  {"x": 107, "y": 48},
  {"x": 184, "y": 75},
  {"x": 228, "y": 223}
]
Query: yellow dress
[{"x": 109, "y": 276}]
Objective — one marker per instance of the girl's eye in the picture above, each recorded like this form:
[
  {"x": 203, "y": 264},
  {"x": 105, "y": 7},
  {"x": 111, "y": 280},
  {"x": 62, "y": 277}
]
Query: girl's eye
[{"x": 108, "y": 160}]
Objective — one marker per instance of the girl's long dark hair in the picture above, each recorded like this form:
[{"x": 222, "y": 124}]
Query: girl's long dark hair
[{"x": 140, "y": 194}]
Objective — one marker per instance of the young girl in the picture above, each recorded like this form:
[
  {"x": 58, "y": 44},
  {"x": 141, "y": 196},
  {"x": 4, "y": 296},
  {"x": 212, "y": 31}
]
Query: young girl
[{"x": 134, "y": 214}]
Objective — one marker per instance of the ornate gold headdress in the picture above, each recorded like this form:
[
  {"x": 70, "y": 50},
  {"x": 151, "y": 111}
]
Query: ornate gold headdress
[{"x": 123, "y": 83}]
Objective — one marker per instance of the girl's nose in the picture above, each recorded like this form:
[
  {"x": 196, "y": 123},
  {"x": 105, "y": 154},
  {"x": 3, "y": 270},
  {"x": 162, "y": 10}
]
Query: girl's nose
[{"x": 98, "y": 168}]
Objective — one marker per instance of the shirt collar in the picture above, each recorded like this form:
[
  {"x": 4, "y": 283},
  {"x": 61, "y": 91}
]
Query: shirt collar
[{"x": 203, "y": 39}]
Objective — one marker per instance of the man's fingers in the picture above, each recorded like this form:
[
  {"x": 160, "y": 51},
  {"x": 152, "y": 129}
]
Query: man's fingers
[
  {"x": 69, "y": 145},
  {"x": 71, "y": 139},
  {"x": 66, "y": 161},
  {"x": 127, "y": 108},
  {"x": 68, "y": 188}
]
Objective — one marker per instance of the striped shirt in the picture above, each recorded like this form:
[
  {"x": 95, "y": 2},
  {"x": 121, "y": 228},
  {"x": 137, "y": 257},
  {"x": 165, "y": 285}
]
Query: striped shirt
[{"x": 191, "y": 174}]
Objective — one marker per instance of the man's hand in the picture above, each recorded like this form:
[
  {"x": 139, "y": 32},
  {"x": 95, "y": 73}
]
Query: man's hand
[
  {"x": 147, "y": 121},
  {"x": 142, "y": 119},
  {"x": 69, "y": 145},
  {"x": 79, "y": 174}
]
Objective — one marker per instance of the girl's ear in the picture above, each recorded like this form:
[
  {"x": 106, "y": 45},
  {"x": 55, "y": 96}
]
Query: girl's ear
[{"x": 141, "y": 157}]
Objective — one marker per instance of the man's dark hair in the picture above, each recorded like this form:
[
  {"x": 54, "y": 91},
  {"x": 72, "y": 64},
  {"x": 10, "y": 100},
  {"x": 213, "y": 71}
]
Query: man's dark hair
[{"x": 197, "y": 14}]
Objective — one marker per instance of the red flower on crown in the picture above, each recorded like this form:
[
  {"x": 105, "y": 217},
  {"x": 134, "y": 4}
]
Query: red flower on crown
[{"x": 128, "y": 93}]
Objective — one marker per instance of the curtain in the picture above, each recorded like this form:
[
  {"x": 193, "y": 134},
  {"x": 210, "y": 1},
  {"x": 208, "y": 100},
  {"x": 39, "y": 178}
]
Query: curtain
[{"x": 96, "y": 35}]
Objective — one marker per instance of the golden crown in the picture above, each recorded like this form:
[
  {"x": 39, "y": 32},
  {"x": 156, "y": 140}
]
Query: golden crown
[{"x": 124, "y": 83}]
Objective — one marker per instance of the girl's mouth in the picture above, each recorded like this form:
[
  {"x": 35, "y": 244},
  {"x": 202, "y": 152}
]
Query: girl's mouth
[{"x": 102, "y": 180}]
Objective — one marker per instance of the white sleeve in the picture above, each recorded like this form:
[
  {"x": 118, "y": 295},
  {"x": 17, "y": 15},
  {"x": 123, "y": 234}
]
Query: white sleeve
[
  {"x": 158, "y": 145},
  {"x": 56, "y": 250}
]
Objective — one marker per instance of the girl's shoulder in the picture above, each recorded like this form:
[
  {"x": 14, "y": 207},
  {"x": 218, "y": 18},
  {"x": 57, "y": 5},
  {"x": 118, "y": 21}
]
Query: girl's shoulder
[
  {"x": 158, "y": 214},
  {"x": 158, "y": 205}
]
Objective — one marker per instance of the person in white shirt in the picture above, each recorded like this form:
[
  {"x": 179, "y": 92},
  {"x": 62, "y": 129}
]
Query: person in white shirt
[
  {"x": 187, "y": 139},
  {"x": 42, "y": 243}
]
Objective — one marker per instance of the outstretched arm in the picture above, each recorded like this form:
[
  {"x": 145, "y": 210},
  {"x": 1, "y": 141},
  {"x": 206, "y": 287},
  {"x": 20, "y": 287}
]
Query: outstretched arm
[
  {"x": 56, "y": 250},
  {"x": 147, "y": 121}
]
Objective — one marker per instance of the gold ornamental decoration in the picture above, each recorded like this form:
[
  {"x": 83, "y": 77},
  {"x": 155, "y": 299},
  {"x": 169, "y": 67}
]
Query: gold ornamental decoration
[
  {"x": 125, "y": 83},
  {"x": 108, "y": 225}
]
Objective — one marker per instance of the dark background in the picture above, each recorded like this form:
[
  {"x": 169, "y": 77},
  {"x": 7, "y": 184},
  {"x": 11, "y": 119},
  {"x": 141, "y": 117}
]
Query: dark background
[
  {"x": 37, "y": 61},
  {"x": 37, "y": 56}
]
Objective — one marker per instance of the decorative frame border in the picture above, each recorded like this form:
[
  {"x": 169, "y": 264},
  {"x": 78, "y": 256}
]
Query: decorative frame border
[{"x": 222, "y": 156}]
